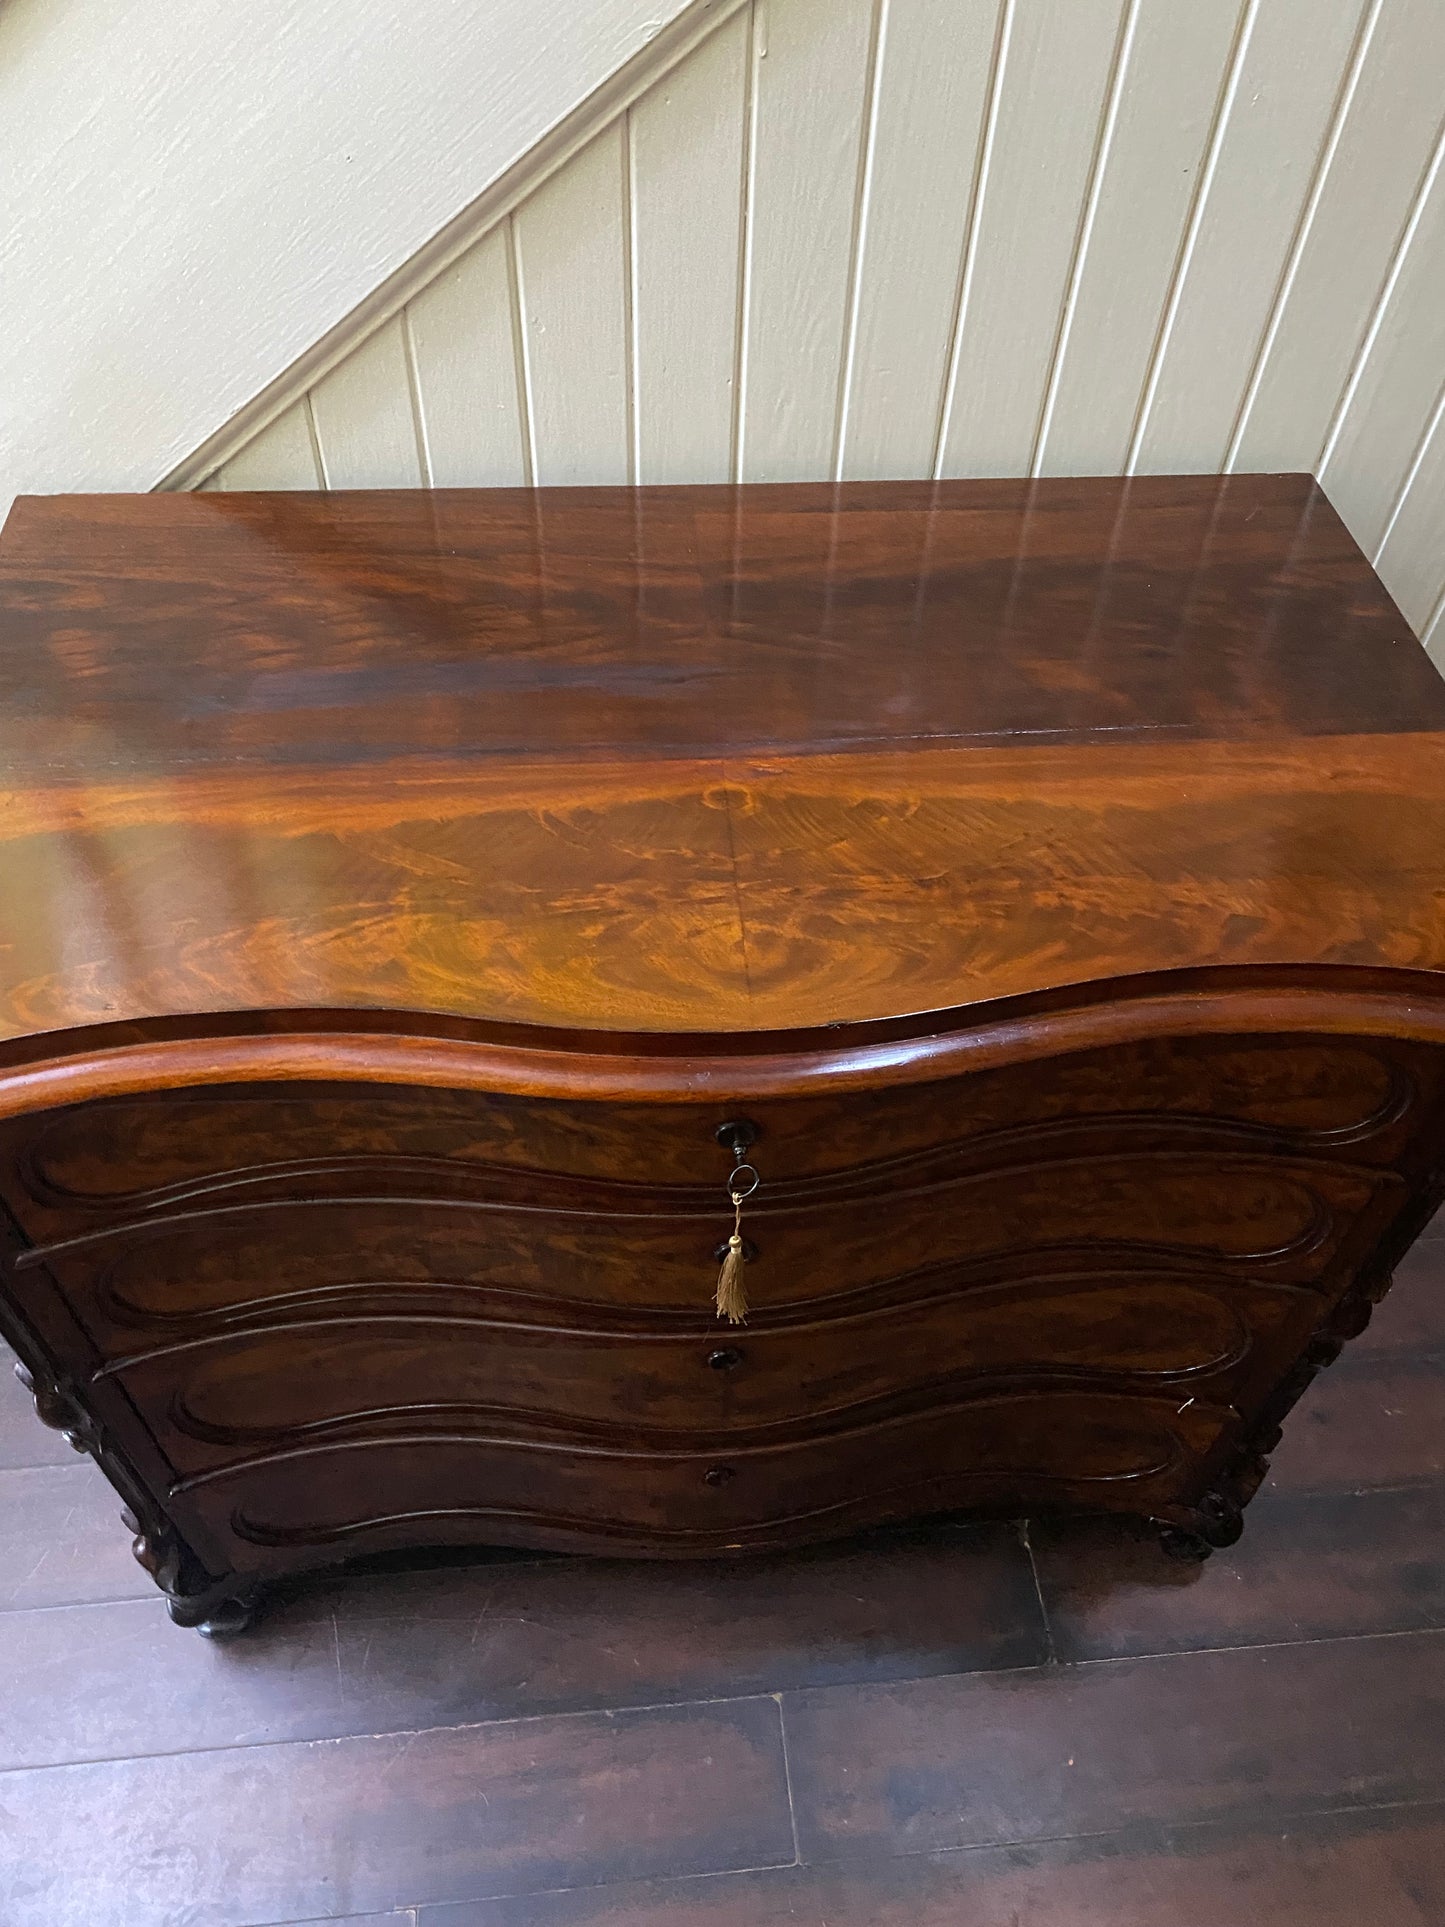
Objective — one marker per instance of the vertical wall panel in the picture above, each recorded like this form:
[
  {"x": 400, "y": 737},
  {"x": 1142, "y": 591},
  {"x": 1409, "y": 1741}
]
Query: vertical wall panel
[
  {"x": 281, "y": 456},
  {"x": 1168, "y": 92},
  {"x": 1289, "y": 81},
  {"x": 1399, "y": 383},
  {"x": 1027, "y": 226},
  {"x": 571, "y": 249},
  {"x": 1412, "y": 561},
  {"x": 466, "y": 371},
  {"x": 810, "y": 65},
  {"x": 365, "y": 424},
  {"x": 687, "y": 174},
  {"x": 1386, "y": 137},
  {"x": 1070, "y": 233},
  {"x": 934, "y": 69},
  {"x": 572, "y": 254}
]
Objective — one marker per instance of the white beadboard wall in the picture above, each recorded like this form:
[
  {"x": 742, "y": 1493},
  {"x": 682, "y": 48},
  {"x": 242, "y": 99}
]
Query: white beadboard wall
[
  {"x": 856, "y": 238},
  {"x": 192, "y": 193}
]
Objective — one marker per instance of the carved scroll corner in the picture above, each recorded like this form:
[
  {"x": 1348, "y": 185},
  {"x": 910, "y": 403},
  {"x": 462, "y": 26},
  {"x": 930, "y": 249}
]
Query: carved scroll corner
[
  {"x": 215, "y": 1608},
  {"x": 157, "y": 1551},
  {"x": 56, "y": 1408},
  {"x": 1216, "y": 1519}
]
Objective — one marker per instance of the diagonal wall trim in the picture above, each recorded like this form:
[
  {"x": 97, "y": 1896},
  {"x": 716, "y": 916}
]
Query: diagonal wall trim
[{"x": 668, "y": 49}]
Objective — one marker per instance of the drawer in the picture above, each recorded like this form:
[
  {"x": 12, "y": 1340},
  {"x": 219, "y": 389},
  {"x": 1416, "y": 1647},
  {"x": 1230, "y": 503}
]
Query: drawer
[
  {"x": 1030, "y": 1448},
  {"x": 1318, "y": 1095},
  {"x": 211, "y": 1401},
  {"x": 1249, "y": 1216}
]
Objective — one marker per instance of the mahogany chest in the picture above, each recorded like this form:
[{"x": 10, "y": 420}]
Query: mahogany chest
[{"x": 433, "y": 925}]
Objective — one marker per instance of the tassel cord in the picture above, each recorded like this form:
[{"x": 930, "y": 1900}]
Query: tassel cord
[{"x": 732, "y": 1292}]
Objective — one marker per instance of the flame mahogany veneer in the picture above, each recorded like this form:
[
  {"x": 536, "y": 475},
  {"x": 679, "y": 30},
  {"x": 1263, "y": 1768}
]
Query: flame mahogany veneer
[{"x": 399, "y": 891}]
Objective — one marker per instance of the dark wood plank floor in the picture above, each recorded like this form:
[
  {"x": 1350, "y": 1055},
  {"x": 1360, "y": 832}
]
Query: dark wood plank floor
[{"x": 1019, "y": 1727}]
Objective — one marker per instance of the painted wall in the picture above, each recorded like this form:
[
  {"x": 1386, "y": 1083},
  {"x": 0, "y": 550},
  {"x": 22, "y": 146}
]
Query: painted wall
[
  {"x": 951, "y": 237},
  {"x": 191, "y": 193}
]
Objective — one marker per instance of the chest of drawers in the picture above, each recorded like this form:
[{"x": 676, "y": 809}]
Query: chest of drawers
[{"x": 416, "y": 904}]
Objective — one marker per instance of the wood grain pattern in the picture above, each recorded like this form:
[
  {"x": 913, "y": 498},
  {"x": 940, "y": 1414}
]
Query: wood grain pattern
[
  {"x": 272, "y": 1513},
  {"x": 388, "y": 1817},
  {"x": 1031, "y": 1725},
  {"x": 1330, "y": 1870},
  {"x": 346, "y": 1375},
  {"x": 407, "y": 702},
  {"x": 1323, "y": 1566},
  {"x": 126, "y": 1158},
  {"x": 509, "y": 1639},
  {"x": 403, "y": 891}
]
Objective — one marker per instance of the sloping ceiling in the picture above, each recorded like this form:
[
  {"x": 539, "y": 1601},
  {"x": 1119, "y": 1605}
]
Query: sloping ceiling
[{"x": 848, "y": 238}]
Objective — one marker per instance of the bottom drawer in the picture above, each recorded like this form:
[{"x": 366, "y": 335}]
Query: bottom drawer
[{"x": 1089, "y": 1449}]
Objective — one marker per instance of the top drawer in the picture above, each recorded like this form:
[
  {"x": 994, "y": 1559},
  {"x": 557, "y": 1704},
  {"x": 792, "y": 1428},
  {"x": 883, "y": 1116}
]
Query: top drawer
[{"x": 1353, "y": 1098}]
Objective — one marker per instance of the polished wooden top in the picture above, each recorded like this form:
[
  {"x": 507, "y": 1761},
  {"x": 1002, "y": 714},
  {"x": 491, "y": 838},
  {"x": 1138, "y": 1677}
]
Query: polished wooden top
[{"x": 704, "y": 759}]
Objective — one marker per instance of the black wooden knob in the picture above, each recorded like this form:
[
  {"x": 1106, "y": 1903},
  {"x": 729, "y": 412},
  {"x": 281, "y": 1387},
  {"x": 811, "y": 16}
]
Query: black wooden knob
[
  {"x": 718, "y": 1475},
  {"x": 737, "y": 1134},
  {"x": 726, "y": 1360}
]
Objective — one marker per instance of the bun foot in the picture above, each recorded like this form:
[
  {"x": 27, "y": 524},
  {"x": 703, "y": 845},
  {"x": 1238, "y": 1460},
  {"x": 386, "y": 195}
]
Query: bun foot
[
  {"x": 1189, "y": 1548},
  {"x": 222, "y": 1621},
  {"x": 1214, "y": 1523}
]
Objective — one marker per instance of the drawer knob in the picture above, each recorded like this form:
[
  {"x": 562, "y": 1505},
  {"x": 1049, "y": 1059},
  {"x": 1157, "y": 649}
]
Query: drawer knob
[
  {"x": 726, "y": 1360},
  {"x": 718, "y": 1475}
]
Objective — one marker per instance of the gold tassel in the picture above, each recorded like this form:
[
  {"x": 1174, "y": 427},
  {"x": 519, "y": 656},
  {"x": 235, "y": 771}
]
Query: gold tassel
[{"x": 732, "y": 1293}]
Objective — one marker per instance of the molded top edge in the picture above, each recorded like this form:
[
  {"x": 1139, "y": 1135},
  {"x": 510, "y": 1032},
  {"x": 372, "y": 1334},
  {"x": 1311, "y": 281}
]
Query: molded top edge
[{"x": 399, "y": 1047}]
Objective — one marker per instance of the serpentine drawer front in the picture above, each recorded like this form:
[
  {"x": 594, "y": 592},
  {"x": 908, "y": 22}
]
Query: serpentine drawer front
[{"x": 686, "y": 1021}]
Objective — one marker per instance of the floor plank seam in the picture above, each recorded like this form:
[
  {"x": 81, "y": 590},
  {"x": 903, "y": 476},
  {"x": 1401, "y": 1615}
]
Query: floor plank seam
[
  {"x": 788, "y": 1778},
  {"x": 395, "y": 1917},
  {"x": 406, "y": 1732},
  {"x": 1281, "y": 1495},
  {"x": 1156, "y": 1833},
  {"x": 1288, "y": 1495},
  {"x": 82, "y": 1605},
  {"x": 1050, "y": 1646},
  {"x": 1258, "y": 1646},
  {"x": 1139, "y": 1833},
  {"x": 1044, "y": 1671},
  {"x": 587, "y": 1887}
]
